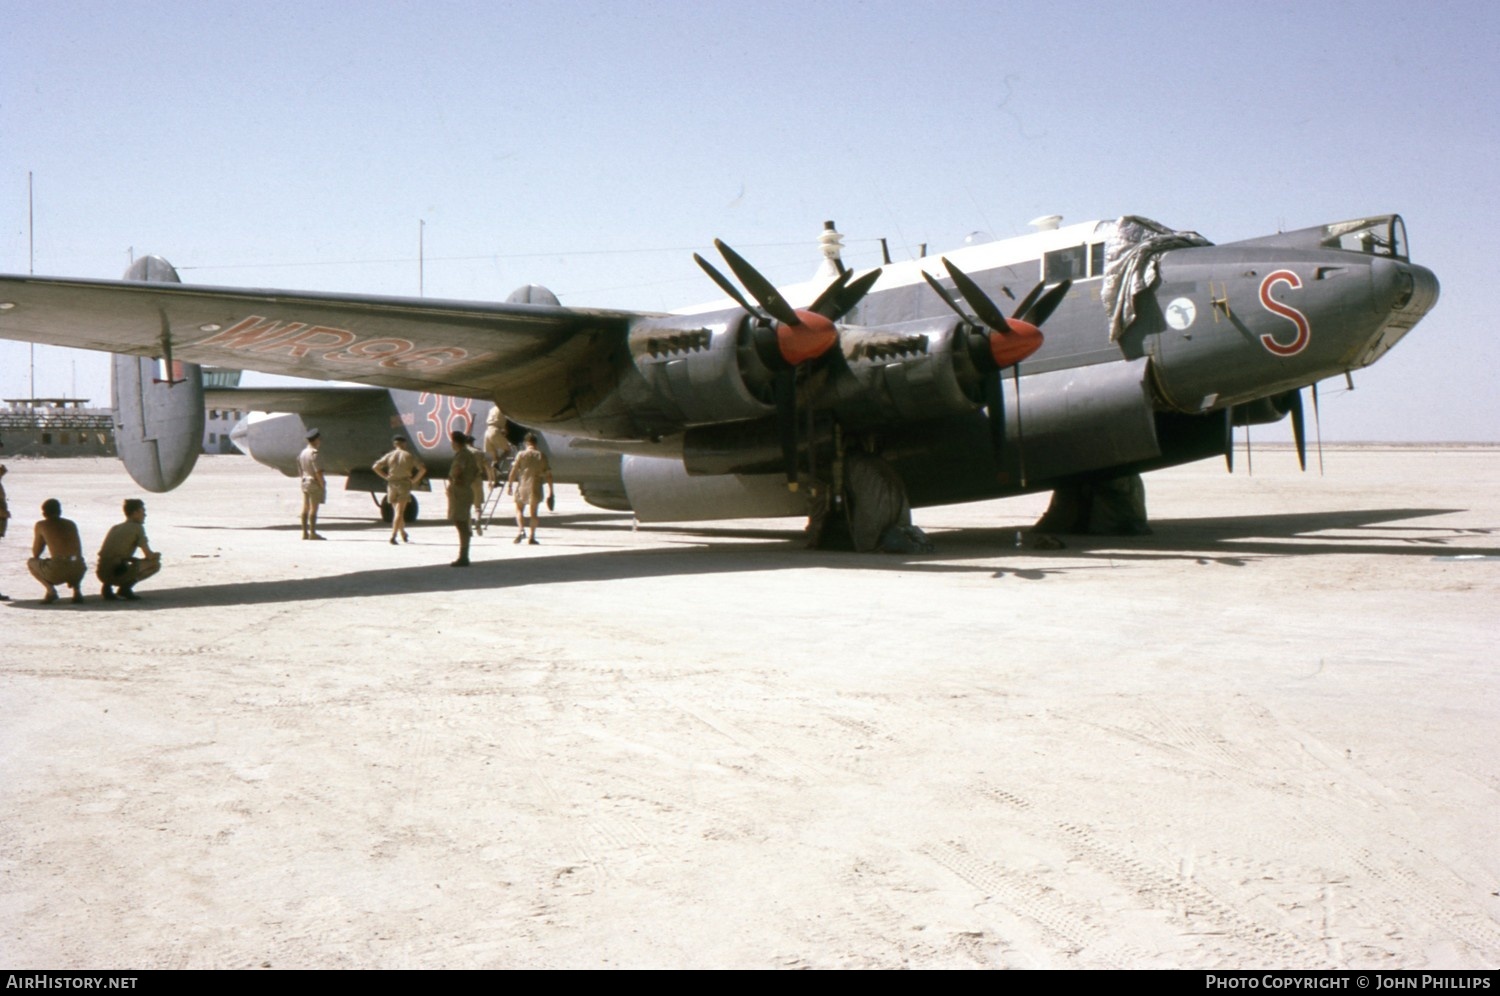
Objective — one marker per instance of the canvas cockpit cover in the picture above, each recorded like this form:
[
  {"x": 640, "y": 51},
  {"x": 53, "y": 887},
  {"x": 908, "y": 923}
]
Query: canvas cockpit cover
[{"x": 1130, "y": 265}]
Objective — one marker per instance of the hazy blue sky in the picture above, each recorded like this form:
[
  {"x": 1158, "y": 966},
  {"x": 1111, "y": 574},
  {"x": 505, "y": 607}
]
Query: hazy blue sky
[{"x": 591, "y": 147}]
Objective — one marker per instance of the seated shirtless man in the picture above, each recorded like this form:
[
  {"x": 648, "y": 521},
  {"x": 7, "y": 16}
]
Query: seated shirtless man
[{"x": 63, "y": 563}]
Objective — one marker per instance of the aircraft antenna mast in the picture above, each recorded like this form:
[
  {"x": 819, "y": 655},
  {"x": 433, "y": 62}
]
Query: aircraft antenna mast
[
  {"x": 31, "y": 266},
  {"x": 832, "y": 245}
]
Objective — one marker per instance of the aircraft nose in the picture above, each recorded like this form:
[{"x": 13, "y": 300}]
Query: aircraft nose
[
  {"x": 1422, "y": 285},
  {"x": 1404, "y": 292},
  {"x": 240, "y": 436}
]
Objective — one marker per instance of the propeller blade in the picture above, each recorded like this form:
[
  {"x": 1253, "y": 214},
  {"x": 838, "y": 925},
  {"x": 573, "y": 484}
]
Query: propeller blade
[
  {"x": 1299, "y": 429},
  {"x": 1229, "y": 439},
  {"x": 843, "y": 294},
  {"x": 1015, "y": 372},
  {"x": 764, "y": 292},
  {"x": 855, "y": 292},
  {"x": 1039, "y": 312},
  {"x": 1318, "y": 426},
  {"x": 784, "y": 393},
  {"x": 983, "y": 307},
  {"x": 942, "y": 292},
  {"x": 994, "y": 407},
  {"x": 724, "y": 285},
  {"x": 1029, "y": 299},
  {"x": 826, "y": 305}
]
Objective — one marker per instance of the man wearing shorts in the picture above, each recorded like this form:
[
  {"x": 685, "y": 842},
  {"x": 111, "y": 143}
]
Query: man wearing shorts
[
  {"x": 116, "y": 567},
  {"x": 463, "y": 474},
  {"x": 401, "y": 471},
  {"x": 525, "y": 482},
  {"x": 314, "y": 490},
  {"x": 63, "y": 562}
]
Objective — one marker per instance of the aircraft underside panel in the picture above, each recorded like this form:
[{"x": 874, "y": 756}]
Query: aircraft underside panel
[
  {"x": 1080, "y": 420},
  {"x": 660, "y": 490}
]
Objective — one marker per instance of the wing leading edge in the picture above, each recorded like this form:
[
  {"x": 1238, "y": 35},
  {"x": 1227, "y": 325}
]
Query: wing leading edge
[{"x": 462, "y": 348}]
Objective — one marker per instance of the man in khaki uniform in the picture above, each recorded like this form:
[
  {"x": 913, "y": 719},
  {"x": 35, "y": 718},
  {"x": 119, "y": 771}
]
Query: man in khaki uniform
[
  {"x": 465, "y": 471},
  {"x": 57, "y": 537},
  {"x": 496, "y": 446},
  {"x": 525, "y": 482},
  {"x": 479, "y": 482},
  {"x": 116, "y": 567},
  {"x": 314, "y": 489},
  {"x": 4, "y": 516},
  {"x": 401, "y": 471}
]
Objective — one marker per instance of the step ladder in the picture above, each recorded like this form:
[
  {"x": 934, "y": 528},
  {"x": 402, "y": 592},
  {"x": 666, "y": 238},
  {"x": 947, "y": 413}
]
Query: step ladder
[{"x": 492, "y": 500}]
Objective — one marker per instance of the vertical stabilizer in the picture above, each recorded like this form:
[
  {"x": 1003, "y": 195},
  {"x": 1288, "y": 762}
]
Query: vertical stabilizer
[{"x": 157, "y": 402}]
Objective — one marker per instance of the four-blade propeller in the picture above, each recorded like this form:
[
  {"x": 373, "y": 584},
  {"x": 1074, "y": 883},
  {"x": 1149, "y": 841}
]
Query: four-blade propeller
[
  {"x": 802, "y": 335},
  {"x": 1010, "y": 340}
]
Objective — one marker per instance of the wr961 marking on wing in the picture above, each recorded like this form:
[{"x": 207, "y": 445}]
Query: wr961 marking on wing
[{"x": 333, "y": 345}]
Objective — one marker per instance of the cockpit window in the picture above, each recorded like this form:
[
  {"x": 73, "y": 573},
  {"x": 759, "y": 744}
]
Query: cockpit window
[
  {"x": 1065, "y": 264},
  {"x": 1383, "y": 236}
]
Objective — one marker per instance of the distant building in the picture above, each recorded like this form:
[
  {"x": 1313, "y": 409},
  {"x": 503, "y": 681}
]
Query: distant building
[
  {"x": 219, "y": 422},
  {"x": 55, "y": 427},
  {"x": 69, "y": 427}
]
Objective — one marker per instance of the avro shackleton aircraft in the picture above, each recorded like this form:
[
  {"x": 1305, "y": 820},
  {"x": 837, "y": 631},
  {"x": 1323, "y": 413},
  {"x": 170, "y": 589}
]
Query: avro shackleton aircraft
[{"x": 936, "y": 371}]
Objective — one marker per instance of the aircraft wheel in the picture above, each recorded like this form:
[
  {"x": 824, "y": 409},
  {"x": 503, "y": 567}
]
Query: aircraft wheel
[{"x": 388, "y": 512}]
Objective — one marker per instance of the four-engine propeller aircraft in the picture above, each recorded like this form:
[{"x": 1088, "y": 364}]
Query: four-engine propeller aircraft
[{"x": 1157, "y": 343}]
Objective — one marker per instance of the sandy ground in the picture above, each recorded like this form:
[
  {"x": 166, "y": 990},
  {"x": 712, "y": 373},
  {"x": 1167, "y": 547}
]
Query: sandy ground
[{"x": 1267, "y": 736}]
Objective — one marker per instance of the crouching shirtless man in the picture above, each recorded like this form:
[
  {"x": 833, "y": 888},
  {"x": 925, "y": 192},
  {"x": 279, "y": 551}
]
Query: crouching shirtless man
[{"x": 63, "y": 562}]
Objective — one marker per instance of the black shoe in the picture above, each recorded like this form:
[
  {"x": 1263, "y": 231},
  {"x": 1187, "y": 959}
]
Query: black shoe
[
  {"x": 393, "y": 541},
  {"x": 129, "y": 595},
  {"x": 77, "y": 596},
  {"x": 519, "y": 537},
  {"x": 4, "y": 598},
  {"x": 108, "y": 593},
  {"x": 460, "y": 562},
  {"x": 532, "y": 541}
]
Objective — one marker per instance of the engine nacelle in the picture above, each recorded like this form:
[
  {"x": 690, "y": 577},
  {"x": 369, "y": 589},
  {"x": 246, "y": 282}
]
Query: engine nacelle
[
  {"x": 911, "y": 371},
  {"x": 702, "y": 369}
]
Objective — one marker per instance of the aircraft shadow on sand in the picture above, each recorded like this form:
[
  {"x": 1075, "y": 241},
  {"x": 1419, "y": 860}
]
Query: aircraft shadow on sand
[{"x": 1235, "y": 541}]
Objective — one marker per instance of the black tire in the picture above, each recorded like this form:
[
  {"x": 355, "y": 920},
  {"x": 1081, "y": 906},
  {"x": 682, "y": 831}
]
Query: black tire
[{"x": 387, "y": 512}]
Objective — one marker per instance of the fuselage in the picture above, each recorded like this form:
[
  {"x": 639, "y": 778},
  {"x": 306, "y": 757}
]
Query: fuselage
[{"x": 1162, "y": 340}]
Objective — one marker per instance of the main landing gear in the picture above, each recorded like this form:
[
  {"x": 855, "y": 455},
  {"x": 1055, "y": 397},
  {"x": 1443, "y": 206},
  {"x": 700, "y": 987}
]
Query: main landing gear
[{"x": 387, "y": 512}]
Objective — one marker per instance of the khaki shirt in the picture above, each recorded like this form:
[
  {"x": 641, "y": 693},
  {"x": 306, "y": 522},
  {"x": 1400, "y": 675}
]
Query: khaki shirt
[
  {"x": 464, "y": 470},
  {"x": 400, "y": 466},
  {"x": 307, "y": 463},
  {"x": 529, "y": 470},
  {"x": 121, "y": 541}
]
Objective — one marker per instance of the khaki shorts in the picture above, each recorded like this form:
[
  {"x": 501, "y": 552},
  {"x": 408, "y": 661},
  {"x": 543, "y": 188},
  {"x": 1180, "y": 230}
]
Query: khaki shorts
[
  {"x": 314, "y": 492},
  {"x": 126, "y": 571},
  {"x": 460, "y": 504},
  {"x": 58, "y": 570},
  {"x": 398, "y": 491}
]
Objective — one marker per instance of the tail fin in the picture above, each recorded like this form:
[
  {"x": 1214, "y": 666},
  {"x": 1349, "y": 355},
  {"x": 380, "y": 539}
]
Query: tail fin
[{"x": 157, "y": 402}]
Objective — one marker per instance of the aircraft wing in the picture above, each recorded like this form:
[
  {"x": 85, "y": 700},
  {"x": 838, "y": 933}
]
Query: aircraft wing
[
  {"x": 295, "y": 400},
  {"x": 459, "y": 348}
]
